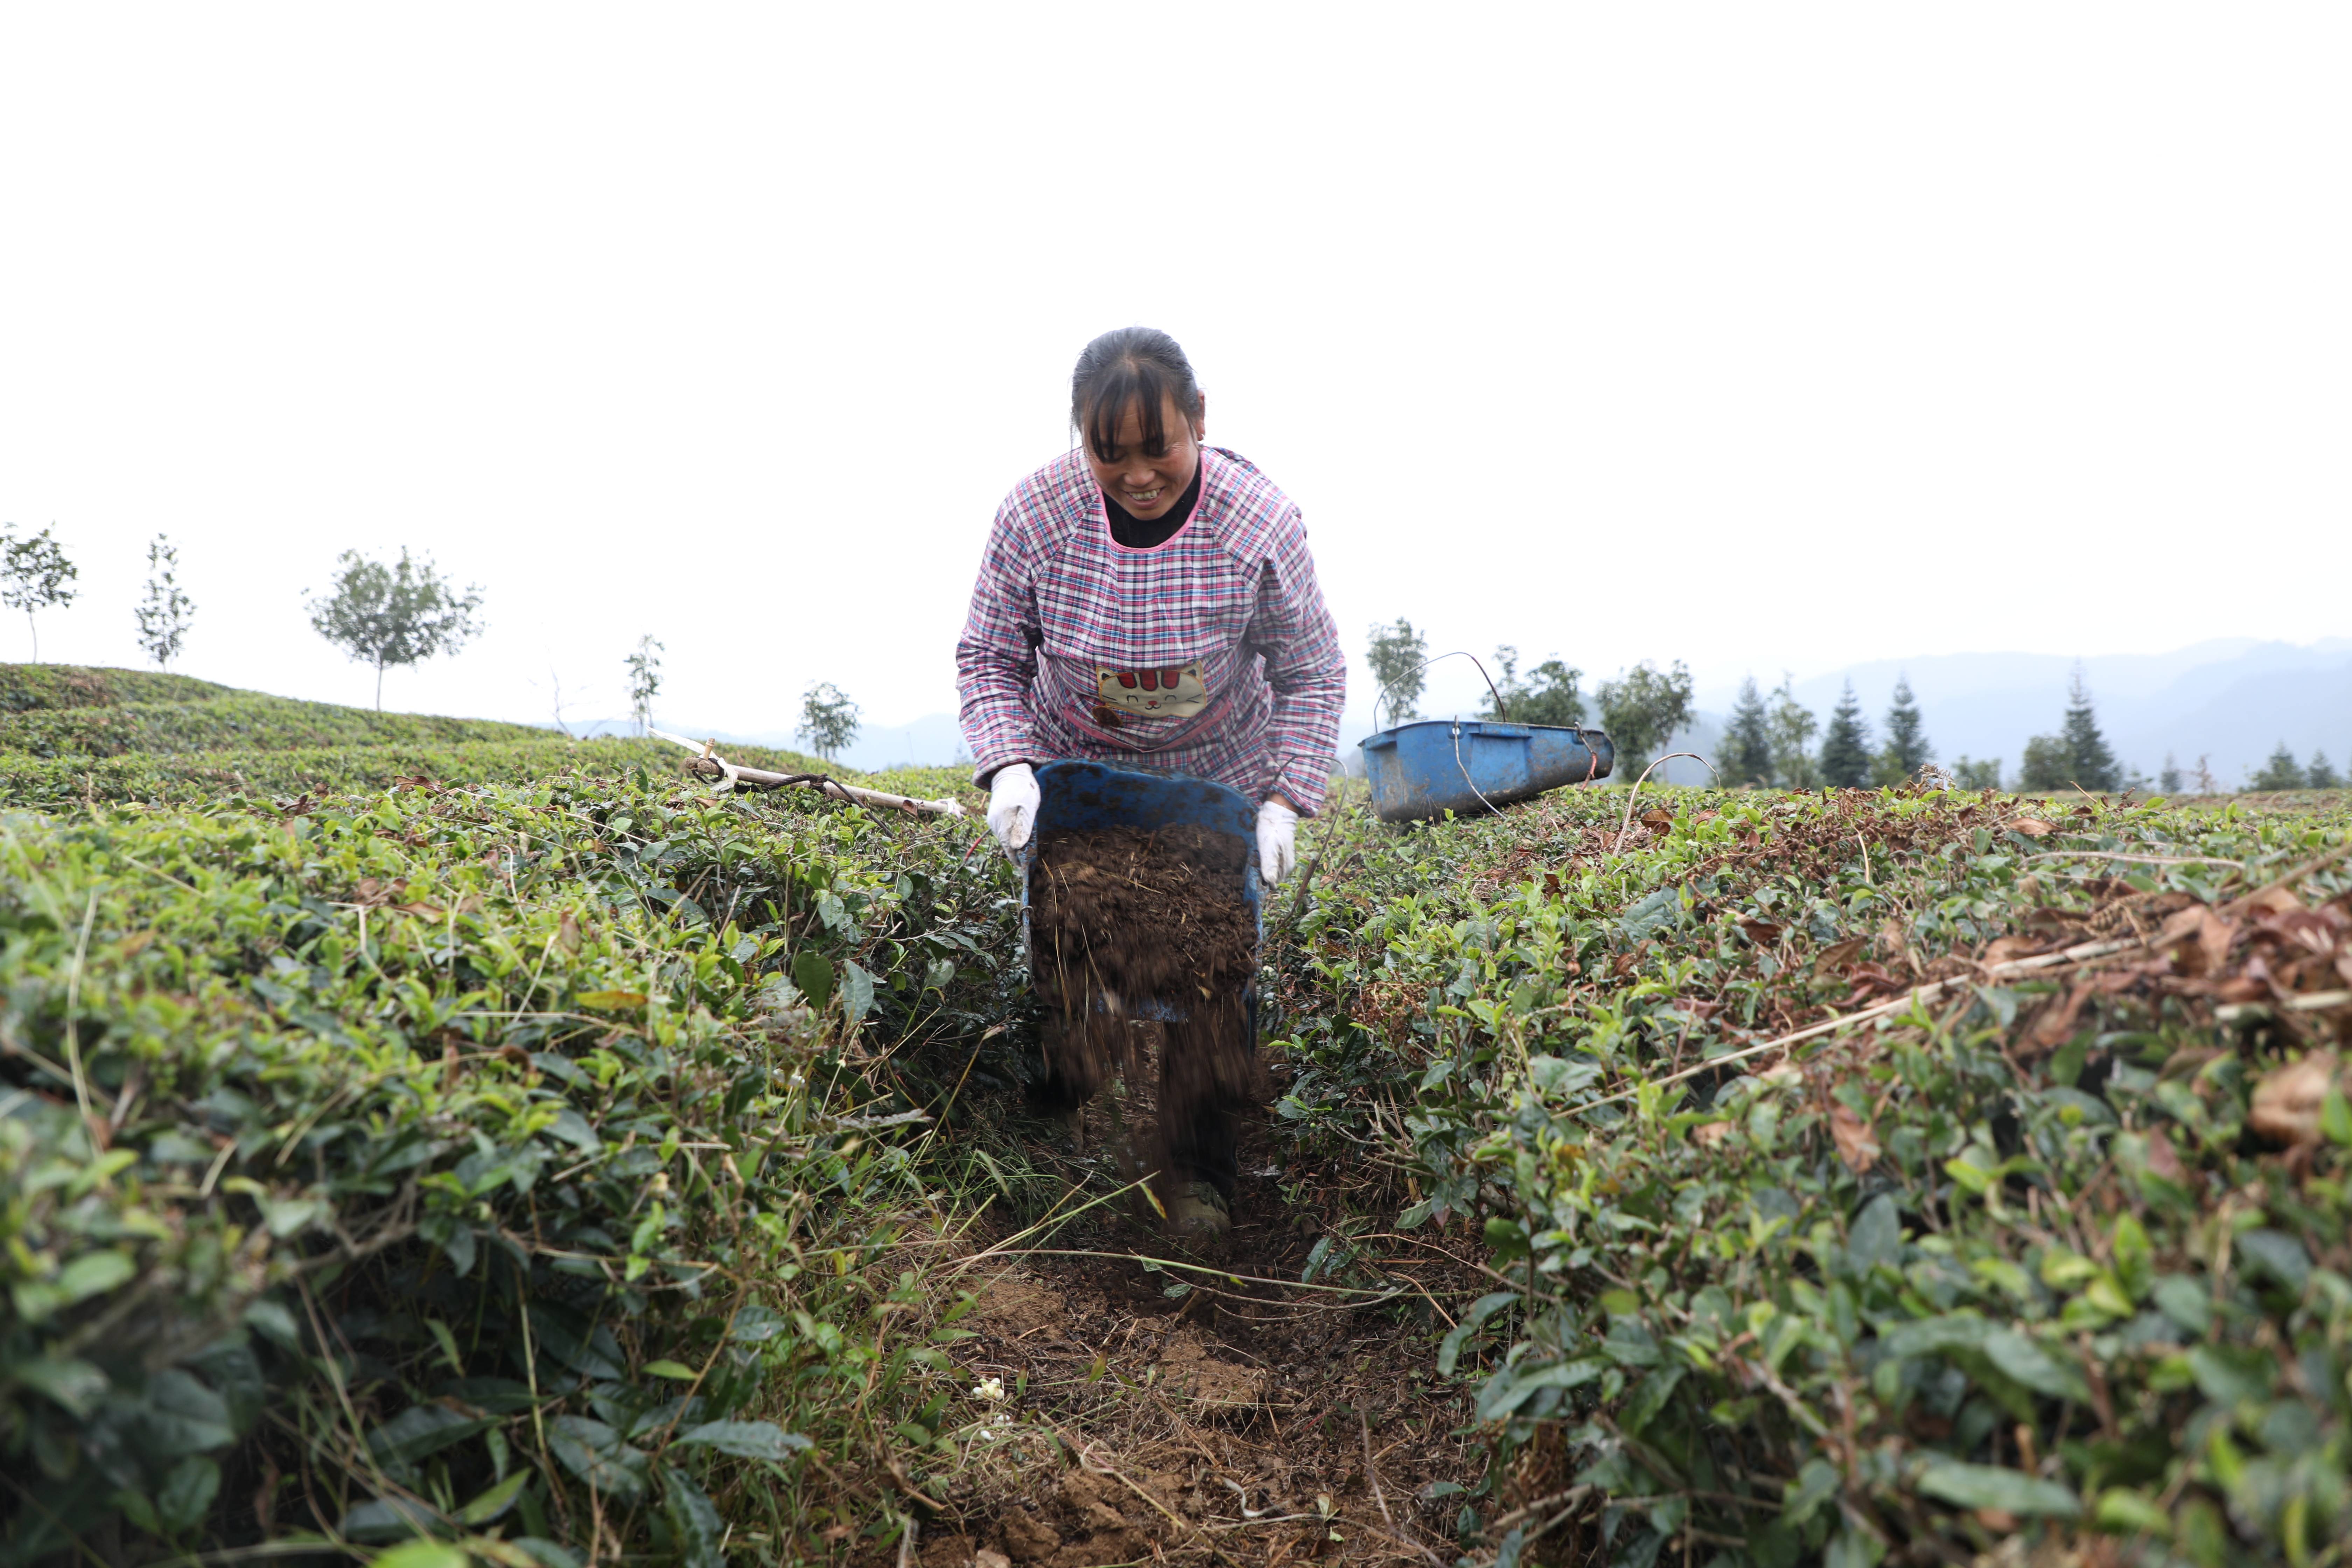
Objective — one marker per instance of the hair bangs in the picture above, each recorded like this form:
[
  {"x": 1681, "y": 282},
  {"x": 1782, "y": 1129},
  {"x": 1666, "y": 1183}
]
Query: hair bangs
[
  {"x": 1137, "y": 368},
  {"x": 1127, "y": 384}
]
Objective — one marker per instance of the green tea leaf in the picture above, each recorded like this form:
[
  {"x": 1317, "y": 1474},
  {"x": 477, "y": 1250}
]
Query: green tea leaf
[{"x": 1997, "y": 1487}]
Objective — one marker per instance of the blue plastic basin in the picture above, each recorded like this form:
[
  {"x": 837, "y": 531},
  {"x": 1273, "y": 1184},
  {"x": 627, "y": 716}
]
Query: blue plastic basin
[
  {"x": 1088, "y": 794},
  {"x": 1436, "y": 766}
]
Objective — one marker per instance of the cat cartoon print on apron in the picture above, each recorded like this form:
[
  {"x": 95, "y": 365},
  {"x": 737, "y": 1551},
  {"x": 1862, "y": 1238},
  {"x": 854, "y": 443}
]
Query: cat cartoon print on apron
[{"x": 1167, "y": 692}]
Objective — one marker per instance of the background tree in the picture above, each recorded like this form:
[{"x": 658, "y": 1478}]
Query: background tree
[
  {"x": 1547, "y": 696},
  {"x": 2168, "y": 779},
  {"x": 2048, "y": 765},
  {"x": 164, "y": 613},
  {"x": 1973, "y": 776},
  {"x": 34, "y": 574},
  {"x": 1748, "y": 742},
  {"x": 1907, "y": 750},
  {"x": 2090, "y": 764},
  {"x": 1641, "y": 708},
  {"x": 1845, "y": 744},
  {"x": 399, "y": 615},
  {"x": 1397, "y": 656},
  {"x": 2322, "y": 772},
  {"x": 645, "y": 681},
  {"x": 1793, "y": 725},
  {"x": 2282, "y": 772},
  {"x": 828, "y": 720}
]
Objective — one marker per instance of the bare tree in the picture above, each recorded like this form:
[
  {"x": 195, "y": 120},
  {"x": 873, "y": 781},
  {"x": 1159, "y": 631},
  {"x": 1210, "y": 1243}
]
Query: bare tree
[
  {"x": 645, "y": 681},
  {"x": 399, "y": 615},
  {"x": 1397, "y": 656}
]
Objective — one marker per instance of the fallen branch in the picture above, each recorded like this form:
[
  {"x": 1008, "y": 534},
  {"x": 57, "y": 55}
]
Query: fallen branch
[{"x": 706, "y": 752}]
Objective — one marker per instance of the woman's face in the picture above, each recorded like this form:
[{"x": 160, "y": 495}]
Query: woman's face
[{"x": 1147, "y": 484}]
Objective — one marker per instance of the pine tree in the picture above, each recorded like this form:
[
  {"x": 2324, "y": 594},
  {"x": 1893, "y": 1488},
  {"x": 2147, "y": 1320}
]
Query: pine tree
[
  {"x": 2322, "y": 772},
  {"x": 2168, "y": 780},
  {"x": 2281, "y": 772},
  {"x": 2089, "y": 764},
  {"x": 1747, "y": 743},
  {"x": 1845, "y": 744},
  {"x": 1907, "y": 750}
]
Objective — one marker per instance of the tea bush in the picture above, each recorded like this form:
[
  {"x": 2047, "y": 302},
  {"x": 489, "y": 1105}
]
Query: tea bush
[
  {"x": 507, "y": 1164},
  {"x": 2007, "y": 1260}
]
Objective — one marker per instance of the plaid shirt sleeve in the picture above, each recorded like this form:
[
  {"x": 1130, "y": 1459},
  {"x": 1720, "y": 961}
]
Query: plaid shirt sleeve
[
  {"x": 997, "y": 658},
  {"x": 1306, "y": 667}
]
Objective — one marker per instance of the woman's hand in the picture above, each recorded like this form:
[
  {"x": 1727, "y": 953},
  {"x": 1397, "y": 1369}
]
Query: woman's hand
[
  {"x": 1278, "y": 831},
  {"x": 1012, "y": 805}
]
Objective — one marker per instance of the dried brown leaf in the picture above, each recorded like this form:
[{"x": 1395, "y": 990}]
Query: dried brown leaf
[
  {"x": 2031, "y": 827},
  {"x": 1856, "y": 1146},
  {"x": 1837, "y": 955},
  {"x": 2287, "y": 1099}
]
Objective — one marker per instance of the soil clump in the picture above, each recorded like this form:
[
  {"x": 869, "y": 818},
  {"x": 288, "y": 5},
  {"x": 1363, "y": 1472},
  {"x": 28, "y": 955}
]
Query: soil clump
[{"x": 1137, "y": 914}]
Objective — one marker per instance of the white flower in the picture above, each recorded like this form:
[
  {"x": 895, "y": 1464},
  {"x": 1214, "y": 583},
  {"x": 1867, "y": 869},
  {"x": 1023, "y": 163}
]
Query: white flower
[{"x": 991, "y": 1389}]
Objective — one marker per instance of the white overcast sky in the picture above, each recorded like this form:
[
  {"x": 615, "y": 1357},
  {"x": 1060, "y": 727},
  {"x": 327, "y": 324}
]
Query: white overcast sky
[{"x": 1756, "y": 336}]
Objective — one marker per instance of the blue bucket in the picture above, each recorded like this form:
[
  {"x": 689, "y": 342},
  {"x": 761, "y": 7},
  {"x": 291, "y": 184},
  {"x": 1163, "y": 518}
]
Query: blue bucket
[
  {"x": 1088, "y": 794},
  {"x": 1468, "y": 767}
]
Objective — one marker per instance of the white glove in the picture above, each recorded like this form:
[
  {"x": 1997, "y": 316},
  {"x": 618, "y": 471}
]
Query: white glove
[
  {"x": 1278, "y": 850},
  {"x": 1012, "y": 806}
]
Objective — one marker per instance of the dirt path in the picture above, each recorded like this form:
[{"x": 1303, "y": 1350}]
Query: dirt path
[{"x": 1245, "y": 1418}]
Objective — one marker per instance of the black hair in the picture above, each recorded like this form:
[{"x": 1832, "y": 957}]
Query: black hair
[{"x": 1138, "y": 367}]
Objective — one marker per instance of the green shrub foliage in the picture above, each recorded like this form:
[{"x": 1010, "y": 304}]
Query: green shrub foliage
[
  {"x": 2009, "y": 1257},
  {"x": 470, "y": 1163}
]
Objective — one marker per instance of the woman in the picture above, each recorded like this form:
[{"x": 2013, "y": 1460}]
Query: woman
[{"x": 1148, "y": 601}]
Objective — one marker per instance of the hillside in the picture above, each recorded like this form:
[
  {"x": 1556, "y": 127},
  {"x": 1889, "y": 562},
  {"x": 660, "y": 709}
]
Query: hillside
[
  {"x": 571, "y": 1166},
  {"x": 74, "y": 733}
]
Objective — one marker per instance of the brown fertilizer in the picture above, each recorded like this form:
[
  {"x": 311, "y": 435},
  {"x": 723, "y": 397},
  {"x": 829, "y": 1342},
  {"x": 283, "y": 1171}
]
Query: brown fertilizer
[{"x": 1123, "y": 916}]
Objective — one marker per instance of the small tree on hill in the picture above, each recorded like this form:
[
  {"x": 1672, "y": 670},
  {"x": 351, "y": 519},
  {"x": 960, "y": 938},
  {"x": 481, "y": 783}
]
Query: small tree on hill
[
  {"x": 2281, "y": 772},
  {"x": 1793, "y": 725},
  {"x": 2322, "y": 772},
  {"x": 828, "y": 720},
  {"x": 1968, "y": 775},
  {"x": 2089, "y": 764},
  {"x": 1641, "y": 709},
  {"x": 34, "y": 574},
  {"x": 2047, "y": 764},
  {"x": 399, "y": 615},
  {"x": 2168, "y": 779},
  {"x": 1547, "y": 695},
  {"x": 1845, "y": 744},
  {"x": 164, "y": 613},
  {"x": 645, "y": 681},
  {"x": 1747, "y": 741},
  {"x": 1907, "y": 750},
  {"x": 1397, "y": 656}
]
